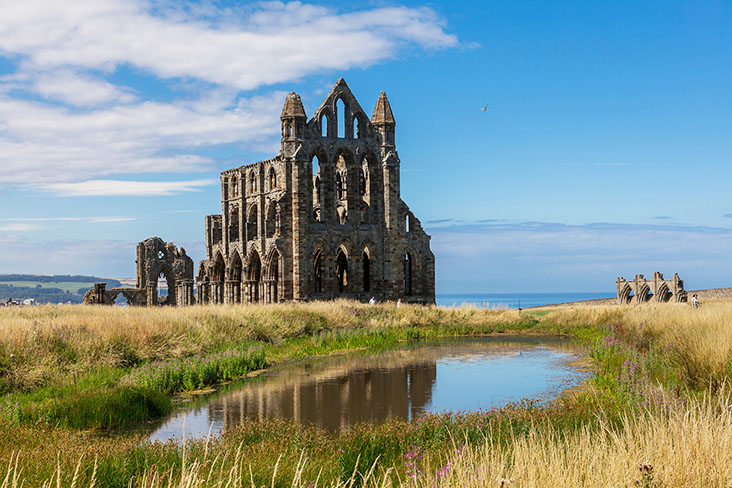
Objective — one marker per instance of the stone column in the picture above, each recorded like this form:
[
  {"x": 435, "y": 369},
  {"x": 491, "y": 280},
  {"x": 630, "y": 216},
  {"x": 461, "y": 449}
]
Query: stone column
[{"x": 152, "y": 294}]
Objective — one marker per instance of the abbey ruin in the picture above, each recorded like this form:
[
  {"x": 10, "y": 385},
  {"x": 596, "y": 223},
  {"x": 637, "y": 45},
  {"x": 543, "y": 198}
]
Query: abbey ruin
[
  {"x": 155, "y": 259},
  {"x": 656, "y": 289},
  {"x": 322, "y": 219}
]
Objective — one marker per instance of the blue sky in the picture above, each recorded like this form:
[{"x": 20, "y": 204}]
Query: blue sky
[{"x": 605, "y": 150}]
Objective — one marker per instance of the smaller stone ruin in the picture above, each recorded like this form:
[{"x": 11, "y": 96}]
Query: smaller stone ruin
[
  {"x": 155, "y": 259},
  {"x": 657, "y": 289}
]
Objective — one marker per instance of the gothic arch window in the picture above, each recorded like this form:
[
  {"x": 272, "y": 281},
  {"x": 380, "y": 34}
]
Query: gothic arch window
[
  {"x": 235, "y": 276},
  {"x": 272, "y": 178},
  {"x": 324, "y": 122},
  {"x": 408, "y": 224},
  {"x": 274, "y": 276},
  {"x": 366, "y": 271},
  {"x": 356, "y": 128},
  {"x": 408, "y": 265},
  {"x": 342, "y": 271},
  {"x": 234, "y": 186},
  {"x": 318, "y": 273},
  {"x": 254, "y": 275},
  {"x": 341, "y": 117},
  {"x": 317, "y": 193},
  {"x": 271, "y": 221},
  {"x": 234, "y": 224},
  {"x": 252, "y": 231},
  {"x": 252, "y": 182}
]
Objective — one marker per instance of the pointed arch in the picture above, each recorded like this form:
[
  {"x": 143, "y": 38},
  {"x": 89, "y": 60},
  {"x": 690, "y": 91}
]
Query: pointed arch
[
  {"x": 252, "y": 182},
  {"x": 319, "y": 260},
  {"x": 270, "y": 222},
  {"x": 625, "y": 292},
  {"x": 272, "y": 178},
  {"x": 341, "y": 110},
  {"x": 234, "y": 224},
  {"x": 663, "y": 294},
  {"x": 318, "y": 159},
  {"x": 235, "y": 278},
  {"x": 325, "y": 122},
  {"x": 252, "y": 220},
  {"x": 342, "y": 270},
  {"x": 366, "y": 264},
  {"x": 274, "y": 273},
  {"x": 254, "y": 277},
  {"x": 219, "y": 275}
]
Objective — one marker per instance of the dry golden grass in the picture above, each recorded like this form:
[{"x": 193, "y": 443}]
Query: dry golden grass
[
  {"x": 689, "y": 447},
  {"x": 702, "y": 337},
  {"x": 39, "y": 342}
]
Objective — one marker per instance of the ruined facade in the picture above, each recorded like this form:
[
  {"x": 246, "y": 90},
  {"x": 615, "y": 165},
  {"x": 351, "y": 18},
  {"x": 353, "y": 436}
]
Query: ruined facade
[
  {"x": 155, "y": 259},
  {"x": 322, "y": 219},
  {"x": 656, "y": 289}
]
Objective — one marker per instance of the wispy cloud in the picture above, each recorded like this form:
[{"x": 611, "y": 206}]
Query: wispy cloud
[
  {"x": 19, "y": 227},
  {"x": 126, "y": 188},
  {"x": 544, "y": 256},
  {"x": 93, "y": 220},
  {"x": 662, "y": 217},
  {"x": 113, "y": 258}
]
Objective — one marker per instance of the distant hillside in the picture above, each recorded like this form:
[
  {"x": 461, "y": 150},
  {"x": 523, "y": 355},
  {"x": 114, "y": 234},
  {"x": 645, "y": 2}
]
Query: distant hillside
[{"x": 50, "y": 289}]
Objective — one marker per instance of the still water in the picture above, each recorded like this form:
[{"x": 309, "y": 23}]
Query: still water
[{"x": 407, "y": 382}]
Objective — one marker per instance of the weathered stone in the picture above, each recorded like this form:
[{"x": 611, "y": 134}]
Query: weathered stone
[
  {"x": 656, "y": 289},
  {"x": 322, "y": 219},
  {"x": 155, "y": 259}
]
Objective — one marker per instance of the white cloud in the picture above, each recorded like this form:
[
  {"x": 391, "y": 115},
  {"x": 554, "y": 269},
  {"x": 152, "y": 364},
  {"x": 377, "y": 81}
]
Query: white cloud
[
  {"x": 19, "y": 227},
  {"x": 63, "y": 117},
  {"x": 242, "y": 48},
  {"x": 42, "y": 143},
  {"x": 125, "y": 188}
]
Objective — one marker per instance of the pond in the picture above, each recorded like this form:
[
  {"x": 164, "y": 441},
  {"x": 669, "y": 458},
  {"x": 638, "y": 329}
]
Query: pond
[{"x": 465, "y": 374}]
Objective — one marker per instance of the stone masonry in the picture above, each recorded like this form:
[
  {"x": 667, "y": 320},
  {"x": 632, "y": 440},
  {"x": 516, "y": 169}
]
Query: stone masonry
[
  {"x": 656, "y": 289},
  {"x": 322, "y": 219},
  {"x": 155, "y": 259}
]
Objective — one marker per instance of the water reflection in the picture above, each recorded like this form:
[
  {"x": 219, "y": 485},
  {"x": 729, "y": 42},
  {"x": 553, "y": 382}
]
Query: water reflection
[{"x": 335, "y": 392}]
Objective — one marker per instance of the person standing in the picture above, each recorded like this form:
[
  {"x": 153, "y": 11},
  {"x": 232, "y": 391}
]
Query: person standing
[
  {"x": 694, "y": 301},
  {"x": 372, "y": 301}
]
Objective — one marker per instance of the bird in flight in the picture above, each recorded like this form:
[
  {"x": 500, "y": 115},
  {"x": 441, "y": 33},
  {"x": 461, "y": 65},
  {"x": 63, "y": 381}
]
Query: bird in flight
[{"x": 486, "y": 107}]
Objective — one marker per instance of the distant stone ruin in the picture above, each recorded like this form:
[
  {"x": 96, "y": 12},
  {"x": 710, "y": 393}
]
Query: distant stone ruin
[
  {"x": 657, "y": 289},
  {"x": 155, "y": 259}
]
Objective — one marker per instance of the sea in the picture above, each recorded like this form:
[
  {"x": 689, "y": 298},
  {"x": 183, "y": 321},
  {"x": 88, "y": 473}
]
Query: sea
[{"x": 515, "y": 300}]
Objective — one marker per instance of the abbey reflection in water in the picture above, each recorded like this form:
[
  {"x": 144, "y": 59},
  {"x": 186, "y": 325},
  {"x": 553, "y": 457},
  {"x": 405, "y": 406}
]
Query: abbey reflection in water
[
  {"x": 359, "y": 395},
  {"x": 335, "y": 392}
]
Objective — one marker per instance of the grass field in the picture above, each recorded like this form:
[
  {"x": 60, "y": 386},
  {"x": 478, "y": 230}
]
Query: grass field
[{"x": 655, "y": 413}]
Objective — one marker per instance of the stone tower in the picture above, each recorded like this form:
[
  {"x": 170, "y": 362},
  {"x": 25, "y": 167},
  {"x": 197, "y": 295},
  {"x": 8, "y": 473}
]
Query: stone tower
[{"x": 322, "y": 219}]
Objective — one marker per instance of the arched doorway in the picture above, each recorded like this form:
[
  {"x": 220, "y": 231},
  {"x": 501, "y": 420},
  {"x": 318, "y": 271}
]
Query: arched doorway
[
  {"x": 254, "y": 275},
  {"x": 342, "y": 271},
  {"x": 234, "y": 283},
  {"x": 217, "y": 284},
  {"x": 273, "y": 277}
]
